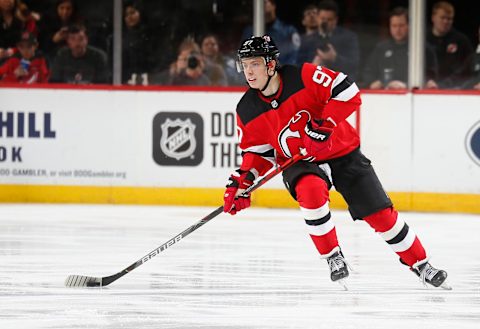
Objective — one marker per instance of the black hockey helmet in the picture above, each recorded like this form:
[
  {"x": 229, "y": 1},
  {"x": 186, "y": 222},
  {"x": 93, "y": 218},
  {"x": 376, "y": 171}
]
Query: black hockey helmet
[{"x": 257, "y": 47}]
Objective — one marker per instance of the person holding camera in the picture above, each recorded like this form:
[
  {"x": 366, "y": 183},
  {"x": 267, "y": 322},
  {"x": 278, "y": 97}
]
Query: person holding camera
[
  {"x": 27, "y": 65},
  {"x": 187, "y": 70},
  {"x": 332, "y": 46}
]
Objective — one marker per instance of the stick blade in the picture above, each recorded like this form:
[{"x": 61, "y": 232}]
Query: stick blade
[{"x": 83, "y": 281}]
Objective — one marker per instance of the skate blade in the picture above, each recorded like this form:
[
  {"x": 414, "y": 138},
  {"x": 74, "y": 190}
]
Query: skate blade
[
  {"x": 445, "y": 286},
  {"x": 343, "y": 284}
]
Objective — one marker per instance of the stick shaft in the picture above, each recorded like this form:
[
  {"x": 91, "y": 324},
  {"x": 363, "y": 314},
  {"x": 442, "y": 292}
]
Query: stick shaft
[
  {"x": 96, "y": 281},
  {"x": 175, "y": 239},
  {"x": 268, "y": 176}
]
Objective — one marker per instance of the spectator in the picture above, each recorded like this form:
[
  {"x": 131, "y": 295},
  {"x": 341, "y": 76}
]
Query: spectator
[
  {"x": 27, "y": 65},
  {"x": 452, "y": 48},
  {"x": 12, "y": 24},
  {"x": 54, "y": 26},
  {"x": 476, "y": 66},
  {"x": 28, "y": 17},
  {"x": 474, "y": 82},
  {"x": 216, "y": 66},
  {"x": 387, "y": 65},
  {"x": 285, "y": 36},
  {"x": 310, "y": 20},
  {"x": 137, "y": 46},
  {"x": 332, "y": 46},
  {"x": 78, "y": 62},
  {"x": 38, "y": 8},
  {"x": 187, "y": 70}
]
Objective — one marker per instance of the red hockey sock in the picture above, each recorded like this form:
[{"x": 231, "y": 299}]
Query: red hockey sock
[
  {"x": 401, "y": 238},
  {"x": 312, "y": 196}
]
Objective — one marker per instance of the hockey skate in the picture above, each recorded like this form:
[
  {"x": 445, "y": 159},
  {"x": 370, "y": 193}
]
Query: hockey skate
[
  {"x": 430, "y": 275},
  {"x": 338, "y": 267}
]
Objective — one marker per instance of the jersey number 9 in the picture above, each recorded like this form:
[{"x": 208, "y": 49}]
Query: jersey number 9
[{"x": 321, "y": 77}]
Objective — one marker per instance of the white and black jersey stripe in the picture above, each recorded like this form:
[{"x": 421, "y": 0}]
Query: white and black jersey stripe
[
  {"x": 266, "y": 151},
  {"x": 343, "y": 88}
]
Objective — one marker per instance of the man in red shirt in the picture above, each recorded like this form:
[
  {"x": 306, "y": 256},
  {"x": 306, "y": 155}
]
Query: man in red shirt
[
  {"x": 27, "y": 65},
  {"x": 288, "y": 110}
]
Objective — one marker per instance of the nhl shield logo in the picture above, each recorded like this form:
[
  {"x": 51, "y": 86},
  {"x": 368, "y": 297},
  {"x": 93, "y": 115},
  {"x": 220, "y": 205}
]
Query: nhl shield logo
[
  {"x": 177, "y": 139},
  {"x": 274, "y": 104}
]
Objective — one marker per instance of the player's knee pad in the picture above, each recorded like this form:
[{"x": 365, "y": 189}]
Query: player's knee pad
[
  {"x": 382, "y": 220},
  {"x": 312, "y": 193},
  {"x": 293, "y": 174}
]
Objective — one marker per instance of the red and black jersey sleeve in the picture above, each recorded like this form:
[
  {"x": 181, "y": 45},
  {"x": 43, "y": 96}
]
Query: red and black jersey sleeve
[
  {"x": 338, "y": 94},
  {"x": 258, "y": 155}
]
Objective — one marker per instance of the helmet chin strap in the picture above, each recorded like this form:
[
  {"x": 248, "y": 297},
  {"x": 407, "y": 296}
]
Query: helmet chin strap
[{"x": 268, "y": 80}]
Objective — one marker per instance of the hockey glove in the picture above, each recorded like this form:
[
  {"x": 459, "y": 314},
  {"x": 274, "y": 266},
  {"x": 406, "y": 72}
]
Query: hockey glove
[
  {"x": 234, "y": 199},
  {"x": 317, "y": 139}
]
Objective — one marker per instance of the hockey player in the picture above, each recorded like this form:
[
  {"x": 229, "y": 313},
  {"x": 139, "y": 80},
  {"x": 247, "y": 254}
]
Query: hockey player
[{"x": 288, "y": 109}]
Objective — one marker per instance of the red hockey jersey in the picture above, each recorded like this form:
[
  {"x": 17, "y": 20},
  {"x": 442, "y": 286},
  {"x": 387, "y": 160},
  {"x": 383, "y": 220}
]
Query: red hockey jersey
[
  {"x": 37, "y": 71},
  {"x": 271, "y": 128}
]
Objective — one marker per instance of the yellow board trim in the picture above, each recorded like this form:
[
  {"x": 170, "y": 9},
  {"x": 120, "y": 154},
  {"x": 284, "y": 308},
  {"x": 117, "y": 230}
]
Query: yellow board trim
[{"x": 404, "y": 201}]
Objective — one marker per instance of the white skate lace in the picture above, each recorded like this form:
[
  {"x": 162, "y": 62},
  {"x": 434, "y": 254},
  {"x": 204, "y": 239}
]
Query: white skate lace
[
  {"x": 336, "y": 263},
  {"x": 427, "y": 274}
]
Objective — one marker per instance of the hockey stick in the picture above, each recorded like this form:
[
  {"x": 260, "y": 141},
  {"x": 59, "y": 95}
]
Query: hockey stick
[{"x": 90, "y": 281}]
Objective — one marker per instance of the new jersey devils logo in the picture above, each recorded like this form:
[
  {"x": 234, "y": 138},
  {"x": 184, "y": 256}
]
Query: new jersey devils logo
[{"x": 289, "y": 138}]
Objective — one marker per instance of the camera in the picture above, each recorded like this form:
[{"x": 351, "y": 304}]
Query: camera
[
  {"x": 324, "y": 39},
  {"x": 323, "y": 43},
  {"x": 193, "y": 62}
]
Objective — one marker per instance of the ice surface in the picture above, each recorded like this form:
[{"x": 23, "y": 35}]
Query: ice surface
[{"x": 258, "y": 269}]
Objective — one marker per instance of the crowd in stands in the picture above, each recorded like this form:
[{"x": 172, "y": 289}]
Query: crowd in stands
[{"x": 53, "y": 41}]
